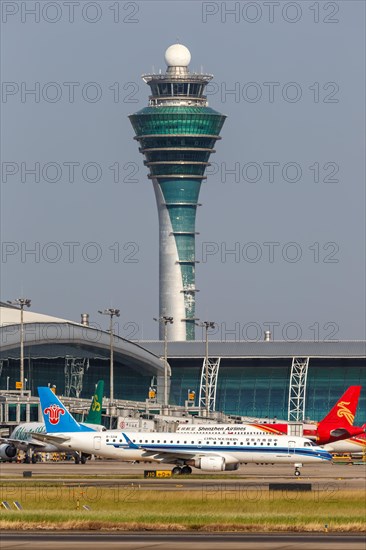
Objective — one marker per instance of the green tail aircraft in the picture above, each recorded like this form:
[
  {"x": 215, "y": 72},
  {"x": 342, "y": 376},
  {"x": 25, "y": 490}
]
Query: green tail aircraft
[{"x": 95, "y": 411}]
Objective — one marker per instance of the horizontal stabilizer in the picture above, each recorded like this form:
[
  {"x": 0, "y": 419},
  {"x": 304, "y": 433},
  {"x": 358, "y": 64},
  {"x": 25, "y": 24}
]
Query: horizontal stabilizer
[
  {"x": 20, "y": 443},
  {"x": 48, "y": 438}
]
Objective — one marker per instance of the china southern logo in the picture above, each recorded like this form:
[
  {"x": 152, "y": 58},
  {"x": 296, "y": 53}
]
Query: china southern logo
[
  {"x": 54, "y": 412},
  {"x": 344, "y": 411},
  {"x": 96, "y": 404}
]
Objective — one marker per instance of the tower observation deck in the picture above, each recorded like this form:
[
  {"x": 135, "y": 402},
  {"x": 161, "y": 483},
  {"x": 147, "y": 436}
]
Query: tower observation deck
[{"x": 177, "y": 133}]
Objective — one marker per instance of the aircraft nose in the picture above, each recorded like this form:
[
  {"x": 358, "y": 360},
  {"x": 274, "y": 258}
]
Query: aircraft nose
[{"x": 325, "y": 455}]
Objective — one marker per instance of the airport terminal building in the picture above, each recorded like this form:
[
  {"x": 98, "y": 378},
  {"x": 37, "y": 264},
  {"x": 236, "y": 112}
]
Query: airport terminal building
[{"x": 252, "y": 377}]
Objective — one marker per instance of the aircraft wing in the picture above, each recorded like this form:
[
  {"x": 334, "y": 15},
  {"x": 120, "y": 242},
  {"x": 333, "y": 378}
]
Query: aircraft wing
[
  {"x": 20, "y": 443},
  {"x": 48, "y": 438},
  {"x": 160, "y": 454}
]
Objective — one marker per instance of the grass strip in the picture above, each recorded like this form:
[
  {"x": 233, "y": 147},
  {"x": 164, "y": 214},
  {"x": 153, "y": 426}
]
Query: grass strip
[{"x": 216, "y": 507}]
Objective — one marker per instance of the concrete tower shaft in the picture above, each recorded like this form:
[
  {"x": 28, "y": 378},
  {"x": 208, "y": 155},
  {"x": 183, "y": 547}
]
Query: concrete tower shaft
[{"x": 177, "y": 133}]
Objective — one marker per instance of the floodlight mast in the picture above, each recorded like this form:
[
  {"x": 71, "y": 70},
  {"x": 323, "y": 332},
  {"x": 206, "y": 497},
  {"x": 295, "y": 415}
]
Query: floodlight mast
[
  {"x": 21, "y": 303},
  {"x": 112, "y": 312}
]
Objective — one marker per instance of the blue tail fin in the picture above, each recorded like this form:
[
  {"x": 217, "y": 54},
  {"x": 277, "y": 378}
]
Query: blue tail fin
[{"x": 56, "y": 417}]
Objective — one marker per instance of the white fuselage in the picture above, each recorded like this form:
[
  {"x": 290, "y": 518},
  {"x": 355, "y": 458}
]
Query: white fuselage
[
  {"x": 23, "y": 435},
  {"x": 355, "y": 445},
  {"x": 173, "y": 447}
]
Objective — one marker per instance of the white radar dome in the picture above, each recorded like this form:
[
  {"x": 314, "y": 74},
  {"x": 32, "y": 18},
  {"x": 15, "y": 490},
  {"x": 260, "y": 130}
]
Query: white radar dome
[{"x": 177, "y": 55}]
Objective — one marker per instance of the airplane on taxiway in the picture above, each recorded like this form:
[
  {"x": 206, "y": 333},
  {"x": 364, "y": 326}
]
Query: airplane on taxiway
[
  {"x": 21, "y": 438},
  {"x": 209, "y": 452}
]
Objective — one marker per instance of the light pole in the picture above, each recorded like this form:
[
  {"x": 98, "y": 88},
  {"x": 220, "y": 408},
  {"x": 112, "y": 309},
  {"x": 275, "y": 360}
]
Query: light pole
[
  {"x": 112, "y": 312},
  {"x": 7, "y": 382},
  {"x": 207, "y": 325},
  {"x": 166, "y": 320},
  {"x": 21, "y": 302}
]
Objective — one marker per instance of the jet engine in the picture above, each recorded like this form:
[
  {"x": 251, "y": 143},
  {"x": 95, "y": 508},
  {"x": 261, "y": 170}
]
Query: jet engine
[
  {"x": 213, "y": 464},
  {"x": 210, "y": 463},
  {"x": 7, "y": 452}
]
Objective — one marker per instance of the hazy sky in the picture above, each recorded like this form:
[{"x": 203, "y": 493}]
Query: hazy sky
[{"x": 282, "y": 222}]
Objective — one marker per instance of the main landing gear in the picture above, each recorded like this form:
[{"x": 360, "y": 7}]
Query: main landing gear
[
  {"x": 80, "y": 457},
  {"x": 30, "y": 457},
  {"x": 185, "y": 470}
]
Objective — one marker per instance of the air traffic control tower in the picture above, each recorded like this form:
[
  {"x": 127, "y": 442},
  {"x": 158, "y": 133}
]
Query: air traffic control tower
[{"x": 177, "y": 133}]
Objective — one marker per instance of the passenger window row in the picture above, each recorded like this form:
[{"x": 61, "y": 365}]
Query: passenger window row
[{"x": 200, "y": 442}]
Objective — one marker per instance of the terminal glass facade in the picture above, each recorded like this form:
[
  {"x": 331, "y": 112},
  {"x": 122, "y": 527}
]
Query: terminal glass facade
[
  {"x": 130, "y": 382},
  {"x": 259, "y": 387},
  {"x": 246, "y": 387}
]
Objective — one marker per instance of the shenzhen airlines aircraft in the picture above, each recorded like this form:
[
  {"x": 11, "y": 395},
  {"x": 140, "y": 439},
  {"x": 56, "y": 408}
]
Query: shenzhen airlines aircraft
[
  {"x": 208, "y": 452},
  {"x": 21, "y": 438},
  {"x": 337, "y": 424}
]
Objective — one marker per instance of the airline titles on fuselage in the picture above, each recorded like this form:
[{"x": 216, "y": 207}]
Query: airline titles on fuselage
[{"x": 24, "y": 433}]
